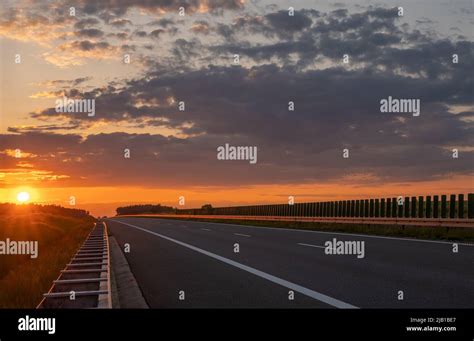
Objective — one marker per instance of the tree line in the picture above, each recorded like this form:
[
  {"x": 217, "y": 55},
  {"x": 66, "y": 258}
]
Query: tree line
[{"x": 143, "y": 209}]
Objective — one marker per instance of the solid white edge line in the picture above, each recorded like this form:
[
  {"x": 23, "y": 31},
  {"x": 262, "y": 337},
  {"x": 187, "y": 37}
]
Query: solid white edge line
[
  {"x": 323, "y": 232},
  {"x": 302, "y": 290}
]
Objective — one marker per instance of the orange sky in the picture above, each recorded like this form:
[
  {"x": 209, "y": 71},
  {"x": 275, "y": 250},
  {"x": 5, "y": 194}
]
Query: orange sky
[
  {"x": 191, "y": 58},
  {"x": 104, "y": 200}
]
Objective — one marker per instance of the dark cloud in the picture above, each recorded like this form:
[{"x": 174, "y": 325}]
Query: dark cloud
[
  {"x": 89, "y": 33},
  {"x": 120, "y": 35},
  {"x": 119, "y": 8},
  {"x": 163, "y": 22},
  {"x": 87, "y": 22},
  {"x": 336, "y": 106},
  {"x": 335, "y": 109},
  {"x": 157, "y": 33},
  {"x": 140, "y": 34},
  {"x": 87, "y": 45}
]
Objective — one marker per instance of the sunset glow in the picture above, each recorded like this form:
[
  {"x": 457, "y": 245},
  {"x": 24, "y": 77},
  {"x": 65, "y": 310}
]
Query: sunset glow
[
  {"x": 147, "y": 95},
  {"x": 23, "y": 197}
]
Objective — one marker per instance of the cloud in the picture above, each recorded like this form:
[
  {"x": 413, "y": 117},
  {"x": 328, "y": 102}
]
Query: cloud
[
  {"x": 200, "y": 26},
  {"x": 120, "y": 22},
  {"x": 284, "y": 59},
  {"x": 85, "y": 23},
  {"x": 89, "y": 33},
  {"x": 75, "y": 52},
  {"x": 119, "y": 8}
]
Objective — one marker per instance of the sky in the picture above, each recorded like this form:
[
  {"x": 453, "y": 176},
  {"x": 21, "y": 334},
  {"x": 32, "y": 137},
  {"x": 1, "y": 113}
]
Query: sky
[{"x": 188, "y": 55}]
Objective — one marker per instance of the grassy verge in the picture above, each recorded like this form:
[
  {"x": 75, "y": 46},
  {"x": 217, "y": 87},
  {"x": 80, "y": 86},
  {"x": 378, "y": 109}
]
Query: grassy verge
[
  {"x": 23, "y": 280},
  {"x": 463, "y": 234}
]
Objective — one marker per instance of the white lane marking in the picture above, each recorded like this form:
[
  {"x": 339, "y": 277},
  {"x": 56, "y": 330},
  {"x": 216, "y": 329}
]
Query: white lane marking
[
  {"x": 334, "y": 233},
  {"x": 305, "y": 291},
  {"x": 243, "y": 235},
  {"x": 311, "y": 245},
  {"x": 205, "y": 229}
]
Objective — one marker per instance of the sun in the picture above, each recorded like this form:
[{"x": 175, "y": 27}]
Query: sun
[{"x": 23, "y": 196}]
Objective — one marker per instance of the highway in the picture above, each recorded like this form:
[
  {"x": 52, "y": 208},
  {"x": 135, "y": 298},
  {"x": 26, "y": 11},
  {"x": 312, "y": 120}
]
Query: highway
[{"x": 189, "y": 264}]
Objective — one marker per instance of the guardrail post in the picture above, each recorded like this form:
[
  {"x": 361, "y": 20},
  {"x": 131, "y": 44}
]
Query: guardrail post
[
  {"x": 400, "y": 207},
  {"x": 407, "y": 207},
  {"x": 366, "y": 208},
  {"x": 420, "y": 207},
  {"x": 452, "y": 206},
  {"x": 389, "y": 207},
  {"x": 357, "y": 210},
  {"x": 383, "y": 209},
  {"x": 428, "y": 206},
  {"x": 377, "y": 208},
  {"x": 394, "y": 207},
  {"x": 444, "y": 207},
  {"x": 461, "y": 206},
  {"x": 413, "y": 207},
  {"x": 435, "y": 206},
  {"x": 470, "y": 205},
  {"x": 371, "y": 208}
]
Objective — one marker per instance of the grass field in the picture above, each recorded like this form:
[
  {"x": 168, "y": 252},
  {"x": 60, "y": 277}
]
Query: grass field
[
  {"x": 463, "y": 234},
  {"x": 59, "y": 233}
]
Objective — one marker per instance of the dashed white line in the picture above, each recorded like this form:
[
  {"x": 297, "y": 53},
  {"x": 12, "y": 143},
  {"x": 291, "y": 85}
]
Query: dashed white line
[
  {"x": 336, "y": 233},
  {"x": 205, "y": 229},
  {"x": 305, "y": 291},
  {"x": 311, "y": 245},
  {"x": 243, "y": 235}
]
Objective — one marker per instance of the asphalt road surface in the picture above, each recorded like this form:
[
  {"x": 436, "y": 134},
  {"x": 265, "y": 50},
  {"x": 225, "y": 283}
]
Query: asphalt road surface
[{"x": 188, "y": 264}]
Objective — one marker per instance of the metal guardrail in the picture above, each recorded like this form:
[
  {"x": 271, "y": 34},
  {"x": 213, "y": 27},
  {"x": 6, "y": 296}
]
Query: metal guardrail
[
  {"x": 341, "y": 220},
  {"x": 85, "y": 281},
  {"x": 422, "y": 207}
]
